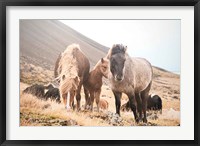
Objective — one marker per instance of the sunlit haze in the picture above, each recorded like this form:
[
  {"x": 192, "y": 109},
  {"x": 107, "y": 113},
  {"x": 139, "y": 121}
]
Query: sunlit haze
[{"x": 156, "y": 40}]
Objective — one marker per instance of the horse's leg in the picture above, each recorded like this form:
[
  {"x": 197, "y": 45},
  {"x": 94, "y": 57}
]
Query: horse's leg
[
  {"x": 132, "y": 102},
  {"x": 144, "y": 106},
  {"x": 128, "y": 106},
  {"x": 71, "y": 100},
  {"x": 73, "y": 105},
  {"x": 92, "y": 95},
  {"x": 144, "y": 95},
  {"x": 139, "y": 105},
  {"x": 78, "y": 97},
  {"x": 87, "y": 102},
  {"x": 161, "y": 107},
  {"x": 97, "y": 98},
  {"x": 117, "y": 101},
  {"x": 64, "y": 97}
]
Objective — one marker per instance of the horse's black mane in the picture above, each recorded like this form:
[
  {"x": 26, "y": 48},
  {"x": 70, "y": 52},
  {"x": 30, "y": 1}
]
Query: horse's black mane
[{"x": 118, "y": 48}]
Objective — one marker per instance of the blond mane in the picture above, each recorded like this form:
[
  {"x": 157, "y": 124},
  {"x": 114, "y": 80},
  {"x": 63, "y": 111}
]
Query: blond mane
[
  {"x": 68, "y": 67},
  {"x": 68, "y": 62}
]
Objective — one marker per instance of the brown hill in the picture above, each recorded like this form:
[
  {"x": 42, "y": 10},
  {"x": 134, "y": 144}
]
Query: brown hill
[{"x": 41, "y": 41}]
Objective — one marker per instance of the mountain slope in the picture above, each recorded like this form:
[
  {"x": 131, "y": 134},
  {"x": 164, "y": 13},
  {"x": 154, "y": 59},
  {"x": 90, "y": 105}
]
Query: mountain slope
[{"x": 41, "y": 41}]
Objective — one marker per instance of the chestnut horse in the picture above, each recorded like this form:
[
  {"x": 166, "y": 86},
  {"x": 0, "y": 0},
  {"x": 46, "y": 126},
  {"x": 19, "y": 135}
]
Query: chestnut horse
[{"x": 94, "y": 82}]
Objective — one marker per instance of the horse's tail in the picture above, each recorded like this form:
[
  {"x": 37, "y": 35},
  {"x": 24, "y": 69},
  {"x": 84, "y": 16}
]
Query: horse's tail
[
  {"x": 56, "y": 69},
  {"x": 160, "y": 104}
]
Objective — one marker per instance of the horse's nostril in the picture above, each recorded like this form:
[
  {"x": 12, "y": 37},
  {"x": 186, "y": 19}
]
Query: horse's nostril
[{"x": 119, "y": 78}]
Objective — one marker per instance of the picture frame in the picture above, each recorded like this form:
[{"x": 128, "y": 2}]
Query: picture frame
[{"x": 102, "y": 3}]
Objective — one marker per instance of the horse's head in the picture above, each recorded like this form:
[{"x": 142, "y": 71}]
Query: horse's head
[
  {"x": 104, "y": 65},
  {"x": 117, "y": 61},
  {"x": 74, "y": 85},
  {"x": 49, "y": 86},
  {"x": 68, "y": 90}
]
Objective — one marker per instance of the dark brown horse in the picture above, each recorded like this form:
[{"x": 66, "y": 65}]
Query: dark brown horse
[
  {"x": 37, "y": 90},
  {"x": 154, "y": 102},
  {"x": 132, "y": 76},
  {"x": 72, "y": 70}
]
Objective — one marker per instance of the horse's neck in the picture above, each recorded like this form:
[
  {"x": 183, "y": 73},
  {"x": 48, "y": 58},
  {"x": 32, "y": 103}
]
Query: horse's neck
[{"x": 97, "y": 74}]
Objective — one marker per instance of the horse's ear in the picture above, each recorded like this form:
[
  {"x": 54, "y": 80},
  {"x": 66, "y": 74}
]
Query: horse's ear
[
  {"x": 76, "y": 79},
  {"x": 109, "y": 53},
  {"x": 125, "y": 49},
  {"x": 102, "y": 60}
]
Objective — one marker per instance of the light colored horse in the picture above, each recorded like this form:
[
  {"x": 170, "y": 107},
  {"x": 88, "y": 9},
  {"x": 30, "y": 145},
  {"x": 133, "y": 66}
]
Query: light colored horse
[
  {"x": 132, "y": 76},
  {"x": 71, "y": 69}
]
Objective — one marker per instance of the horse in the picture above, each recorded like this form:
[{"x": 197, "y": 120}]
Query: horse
[
  {"x": 132, "y": 76},
  {"x": 94, "y": 82},
  {"x": 154, "y": 102},
  {"x": 37, "y": 90},
  {"x": 72, "y": 70},
  {"x": 57, "y": 70}
]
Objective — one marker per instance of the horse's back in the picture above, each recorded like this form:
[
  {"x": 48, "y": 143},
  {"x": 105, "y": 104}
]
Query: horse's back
[
  {"x": 138, "y": 74},
  {"x": 82, "y": 63},
  {"x": 142, "y": 67},
  {"x": 143, "y": 73}
]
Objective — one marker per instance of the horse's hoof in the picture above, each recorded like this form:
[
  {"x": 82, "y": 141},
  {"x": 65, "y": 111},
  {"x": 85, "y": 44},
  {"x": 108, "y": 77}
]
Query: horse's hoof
[
  {"x": 144, "y": 120},
  {"x": 68, "y": 109},
  {"x": 117, "y": 115},
  {"x": 137, "y": 120},
  {"x": 140, "y": 120},
  {"x": 74, "y": 107},
  {"x": 87, "y": 107}
]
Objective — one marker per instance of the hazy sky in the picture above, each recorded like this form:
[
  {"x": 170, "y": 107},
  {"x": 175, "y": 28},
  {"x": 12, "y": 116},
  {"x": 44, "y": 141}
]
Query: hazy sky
[{"x": 156, "y": 40}]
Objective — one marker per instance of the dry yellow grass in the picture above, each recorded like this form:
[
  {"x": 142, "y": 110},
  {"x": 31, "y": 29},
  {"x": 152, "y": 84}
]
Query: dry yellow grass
[
  {"x": 31, "y": 105},
  {"x": 36, "y": 112},
  {"x": 34, "y": 109},
  {"x": 30, "y": 74}
]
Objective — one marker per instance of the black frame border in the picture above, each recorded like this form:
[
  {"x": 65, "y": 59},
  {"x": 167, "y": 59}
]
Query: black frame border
[{"x": 5, "y": 3}]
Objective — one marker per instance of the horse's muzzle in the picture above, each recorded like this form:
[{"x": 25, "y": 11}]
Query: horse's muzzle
[{"x": 118, "y": 78}]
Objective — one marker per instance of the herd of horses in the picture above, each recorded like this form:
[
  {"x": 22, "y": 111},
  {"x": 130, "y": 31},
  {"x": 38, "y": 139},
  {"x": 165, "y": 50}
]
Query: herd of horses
[{"x": 132, "y": 76}]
